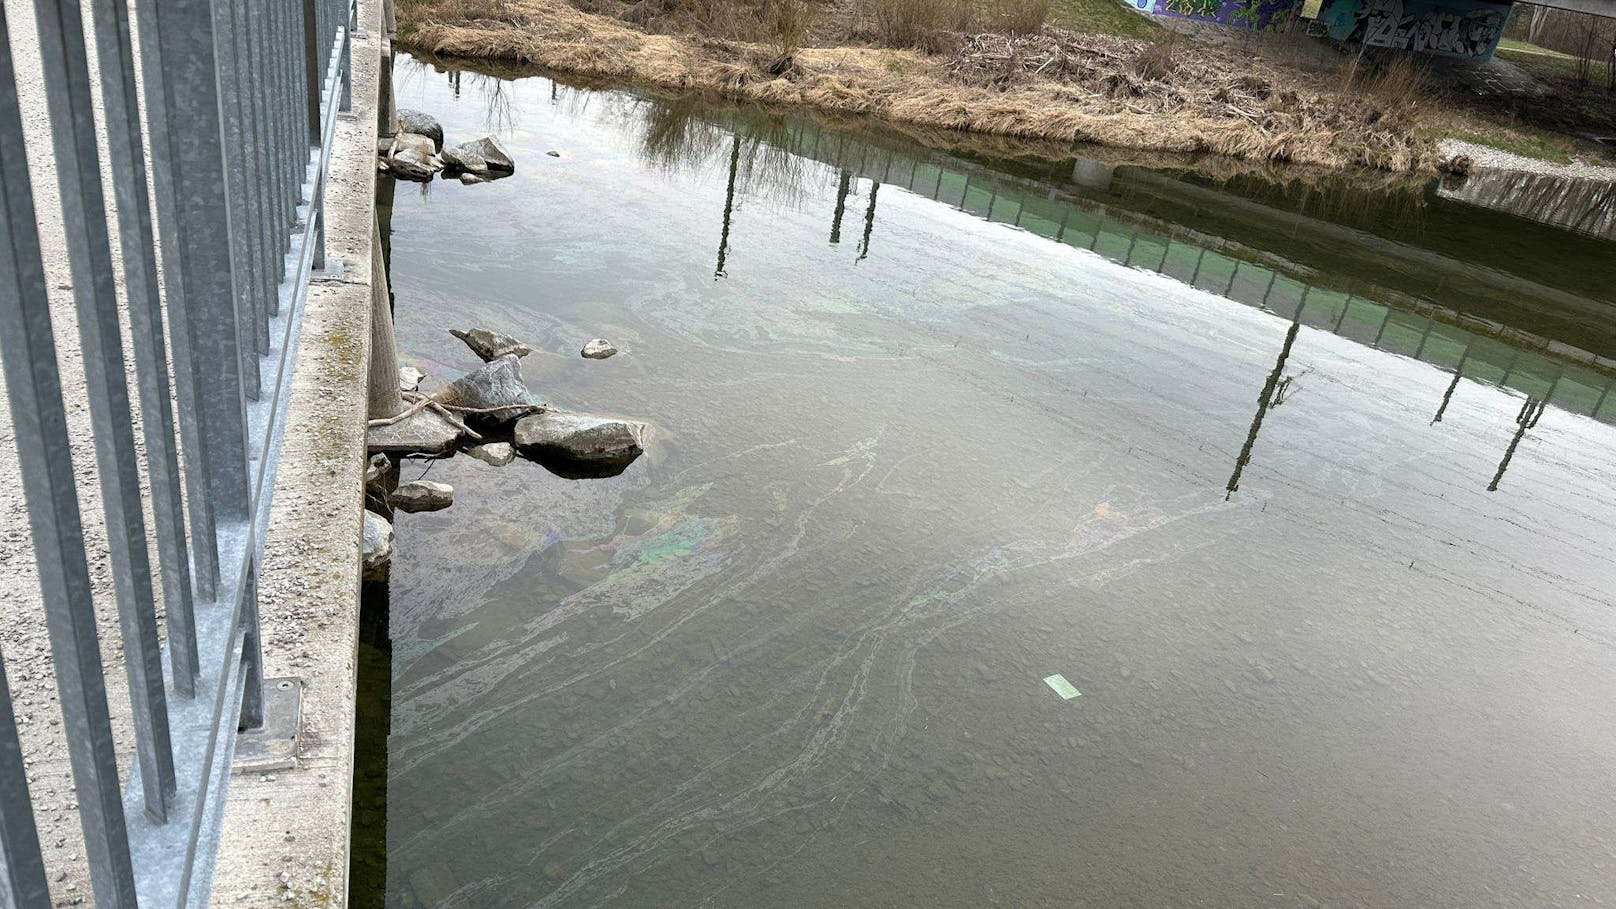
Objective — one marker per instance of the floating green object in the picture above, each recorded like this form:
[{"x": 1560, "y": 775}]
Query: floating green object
[{"x": 1060, "y": 686}]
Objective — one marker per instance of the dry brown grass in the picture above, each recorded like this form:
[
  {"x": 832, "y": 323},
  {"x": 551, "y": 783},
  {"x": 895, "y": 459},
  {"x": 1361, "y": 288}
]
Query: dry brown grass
[
  {"x": 789, "y": 23},
  {"x": 930, "y": 25},
  {"x": 1016, "y": 17},
  {"x": 1156, "y": 62},
  {"x": 1056, "y": 85}
]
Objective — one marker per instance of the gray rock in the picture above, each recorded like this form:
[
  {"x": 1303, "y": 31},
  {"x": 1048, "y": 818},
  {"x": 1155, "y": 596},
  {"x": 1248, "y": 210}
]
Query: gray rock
[
  {"x": 496, "y": 453},
  {"x": 489, "y": 345},
  {"x": 578, "y": 440},
  {"x": 409, "y": 378},
  {"x": 412, "y": 157},
  {"x": 493, "y": 153},
  {"x": 465, "y": 157},
  {"x": 473, "y": 179},
  {"x": 376, "y": 468},
  {"x": 376, "y": 546},
  {"x": 496, "y": 384},
  {"x": 422, "y": 495},
  {"x": 598, "y": 349},
  {"x": 424, "y": 124},
  {"x": 424, "y": 432}
]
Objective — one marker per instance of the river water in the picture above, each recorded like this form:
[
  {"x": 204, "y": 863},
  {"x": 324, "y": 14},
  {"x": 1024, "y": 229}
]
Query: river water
[{"x": 1302, "y": 487}]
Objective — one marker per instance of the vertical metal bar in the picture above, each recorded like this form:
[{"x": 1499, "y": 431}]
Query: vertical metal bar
[
  {"x": 258, "y": 154},
  {"x": 204, "y": 227},
  {"x": 65, "y": 72},
  {"x": 317, "y": 207},
  {"x": 311, "y": 69},
  {"x": 242, "y": 86},
  {"x": 252, "y": 654},
  {"x": 127, "y": 161},
  {"x": 243, "y": 313},
  {"x": 290, "y": 79},
  {"x": 159, "y": 127},
  {"x": 22, "y": 868},
  {"x": 28, "y": 356},
  {"x": 271, "y": 60},
  {"x": 347, "y": 63},
  {"x": 294, "y": 151}
]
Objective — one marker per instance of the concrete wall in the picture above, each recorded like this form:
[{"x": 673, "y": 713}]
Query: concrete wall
[
  {"x": 285, "y": 836},
  {"x": 1260, "y": 15},
  {"x": 1447, "y": 28}
]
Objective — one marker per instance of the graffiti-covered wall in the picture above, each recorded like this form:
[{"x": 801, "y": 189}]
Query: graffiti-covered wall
[
  {"x": 1452, "y": 28},
  {"x": 1262, "y": 15}
]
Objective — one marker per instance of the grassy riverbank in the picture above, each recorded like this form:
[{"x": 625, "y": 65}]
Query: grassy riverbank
[{"x": 984, "y": 66}]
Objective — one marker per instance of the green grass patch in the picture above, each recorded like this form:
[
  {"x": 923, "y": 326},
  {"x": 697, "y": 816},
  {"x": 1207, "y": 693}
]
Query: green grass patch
[
  {"x": 1516, "y": 139},
  {"x": 1542, "y": 62},
  {"x": 1104, "y": 17}
]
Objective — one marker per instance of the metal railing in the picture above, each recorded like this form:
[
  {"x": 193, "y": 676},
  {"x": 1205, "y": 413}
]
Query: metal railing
[{"x": 241, "y": 100}]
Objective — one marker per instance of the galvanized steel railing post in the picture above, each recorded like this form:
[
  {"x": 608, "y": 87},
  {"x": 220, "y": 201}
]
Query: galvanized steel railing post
[
  {"x": 252, "y": 656},
  {"x": 28, "y": 354},
  {"x": 22, "y": 870},
  {"x": 204, "y": 224},
  {"x": 66, "y": 76},
  {"x": 350, "y": 19},
  {"x": 312, "y": 72},
  {"x": 160, "y": 129},
  {"x": 237, "y": 153},
  {"x": 227, "y": 85},
  {"x": 128, "y": 164}
]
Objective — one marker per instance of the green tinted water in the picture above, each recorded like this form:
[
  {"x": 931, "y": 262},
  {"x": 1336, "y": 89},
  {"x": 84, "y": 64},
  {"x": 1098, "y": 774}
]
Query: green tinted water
[{"x": 932, "y": 426}]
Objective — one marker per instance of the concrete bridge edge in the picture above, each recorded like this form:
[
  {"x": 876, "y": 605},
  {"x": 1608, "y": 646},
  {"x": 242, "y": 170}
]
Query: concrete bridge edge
[{"x": 285, "y": 834}]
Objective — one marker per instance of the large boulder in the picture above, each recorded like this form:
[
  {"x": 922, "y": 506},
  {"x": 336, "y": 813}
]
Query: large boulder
[
  {"x": 412, "y": 157},
  {"x": 376, "y": 546},
  {"x": 422, "y": 495},
  {"x": 577, "y": 445},
  {"x": 423, "y": 124},
  {"x": 465, "y": 158},
  {"x": 492, "y": 153},
  {"x": 493, "y": 385},
  {"x": 488, "y": 345},
  {"x": 424, "y": 432}
]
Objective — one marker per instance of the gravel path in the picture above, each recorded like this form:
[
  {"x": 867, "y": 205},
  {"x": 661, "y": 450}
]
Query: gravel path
[{"x": 1483, "y": 156}]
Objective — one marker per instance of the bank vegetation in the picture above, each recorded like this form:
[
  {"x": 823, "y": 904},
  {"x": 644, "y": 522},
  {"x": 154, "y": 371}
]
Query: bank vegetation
[{"x": 984, "y": 66}]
